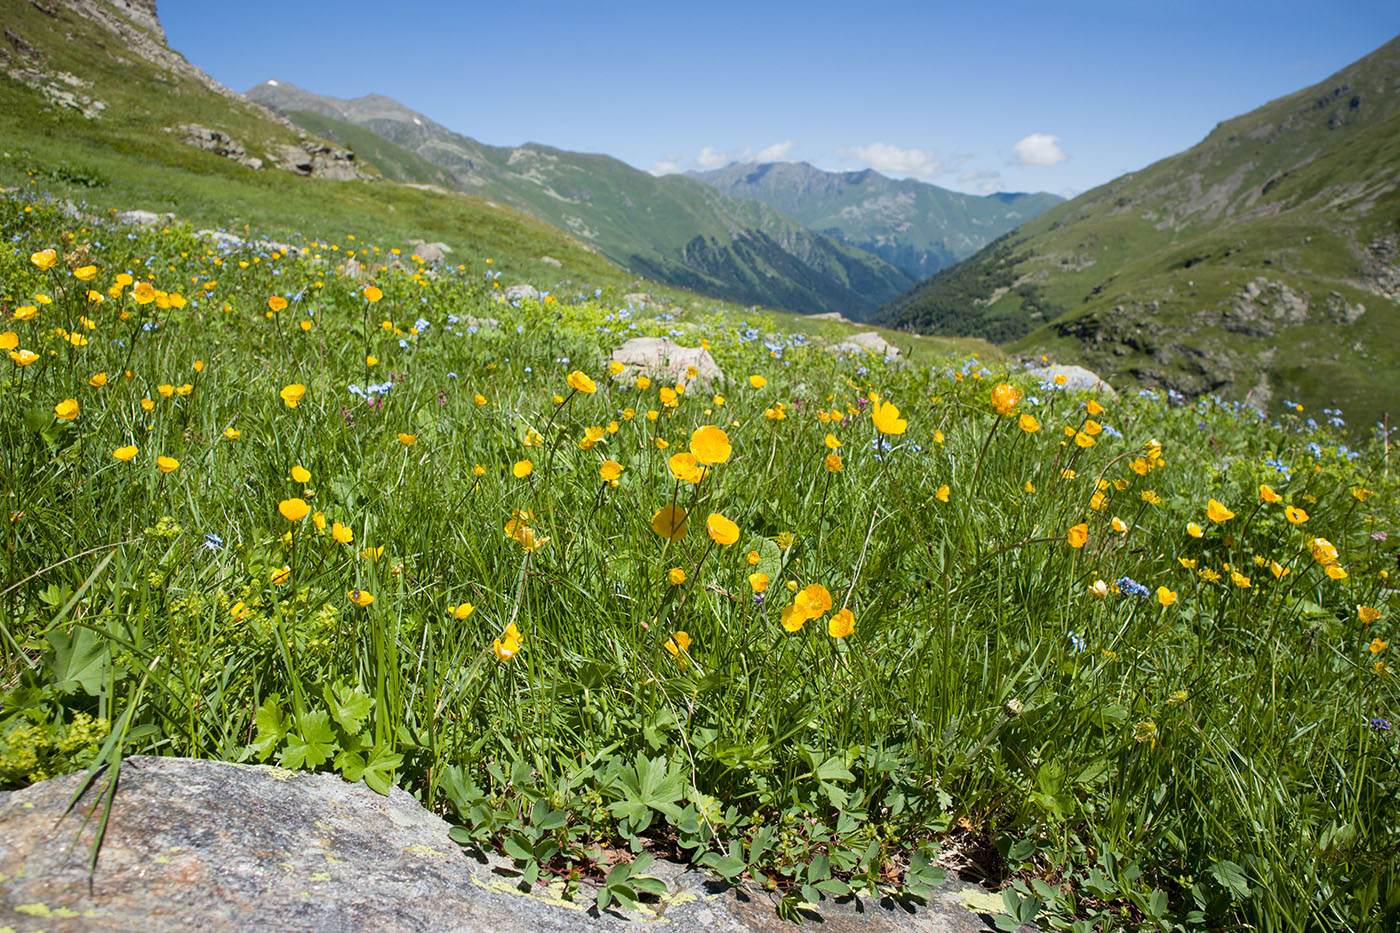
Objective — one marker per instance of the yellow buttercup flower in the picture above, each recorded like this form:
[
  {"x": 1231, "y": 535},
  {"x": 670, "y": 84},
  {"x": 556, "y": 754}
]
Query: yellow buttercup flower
[
  {"x": 1005, "y": 398},
  {"x": 522, "y": 469},
  {"x": 1093, "y": 407},
  {"x": 1217, "y": 512},
  {"x": 843, "y": 623},
  {"x": 293, "y": 510},
  {"x": 684, "y": 468},
  {"x": 23, "y": 357},
  {"x": 710, "y": 445},
  {"x": 281, "y": 575},
  {"x": 678, "y": 644},
  {"x": 232, "y": 434},
  {"x": 1323, "y": 551},
  {"x": 372, "y": 294},
  {"x": 581, "y": 383},
  {"x": 1078, "y": 536},
  {"x": 1295, "y": 516},
  {"x": 126, "y": 454},
  {"x": 669, "y": 522},
  {"x": 1268, "y": 495},
  {"x": 759, "y": 582},
  {"x": 301, "y": 474},
  {"x": 1165, "y": 596},
  {"x": 277, "y": 303},
  {"x": 943, "y": 493},
  {"x": 508, "y": 645},
  {"x": 757, "y": 382},
  {"x": 292, "y": 394},
  {"x": 676, "y": 575},
  {"x": 1367, "y": 614},
  {"x": 1028, "y": 423},
  {"x": 98, "y": 380},
  {"x": 1194, "y": 530},
  {"x": 461, "y": 610},
  {"x": 361, "y": 598},
  {"x": 721, "y": 529},
  {"x": 610, "y": 470},
  {"x": 9, "y": 340},
  {"x": 885, "y": 417},
  {"x": 67, "y": 409},
  {"x": 833, "y": 463},
  {"x": 44, "y": 258},
  {"x": 1335, "y": 572},
  {"x": 407, "y": 439},
  {"x": 342, "y": 534}
]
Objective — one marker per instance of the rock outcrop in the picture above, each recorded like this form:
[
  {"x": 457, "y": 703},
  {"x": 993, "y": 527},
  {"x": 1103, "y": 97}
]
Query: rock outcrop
[
  {"x": 1077, "y": 379},
  {"x": 217, "y": 142},
  {"x": 660, "y": 359},
  {"x": 867, "y": 343},
  {"x": 205, "y": 845}
]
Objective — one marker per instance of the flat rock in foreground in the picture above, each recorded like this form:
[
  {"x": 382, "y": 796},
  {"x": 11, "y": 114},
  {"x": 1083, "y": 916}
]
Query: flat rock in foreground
[{"x": 201, "y": 845}]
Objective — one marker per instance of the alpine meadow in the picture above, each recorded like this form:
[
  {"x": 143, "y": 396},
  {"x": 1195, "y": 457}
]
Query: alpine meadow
[{"x": 327, "y": 451}]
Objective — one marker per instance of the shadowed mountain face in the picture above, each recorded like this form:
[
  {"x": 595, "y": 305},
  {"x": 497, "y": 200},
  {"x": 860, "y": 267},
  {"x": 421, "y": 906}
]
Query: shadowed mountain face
[
  {"x": 918, "y": 227},
  {"x": 1263, "y": 263},
  {"x": 674, "y": 229}
]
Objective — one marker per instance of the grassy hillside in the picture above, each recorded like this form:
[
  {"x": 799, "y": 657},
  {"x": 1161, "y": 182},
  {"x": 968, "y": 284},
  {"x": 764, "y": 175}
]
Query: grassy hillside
[
  {"x": 672, "y": 229},
  {"x": 918, "y": 227},
  {"x": 1261, "y": 263}
]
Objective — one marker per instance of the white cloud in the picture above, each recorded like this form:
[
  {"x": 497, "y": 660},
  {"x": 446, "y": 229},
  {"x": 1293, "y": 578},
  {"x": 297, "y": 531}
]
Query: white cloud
[
  {"x": 710, "y": 157},
  {"x": 893, "y": 160},
  {"x": 775, "y": 152},
  {"x": 987, "y": 181},
  {"x": 670, "y": 165},
  {"x": 1038, "y": 149}
]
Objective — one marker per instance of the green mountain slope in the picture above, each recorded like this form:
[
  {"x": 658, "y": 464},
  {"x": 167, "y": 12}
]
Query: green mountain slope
[
  {"x": 673, "y": 229},
  {"x": 1263, "y": 263},
  {"x": 92, "y": 102},
  {"x": 918, "y": 227}
]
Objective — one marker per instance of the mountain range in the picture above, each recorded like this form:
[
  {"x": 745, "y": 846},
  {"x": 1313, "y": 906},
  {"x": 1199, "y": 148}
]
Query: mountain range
[
  {"x": 918, "y": 227},
  {"x": 1262, "y": 263},
  {"x": 672, "y": 228}
]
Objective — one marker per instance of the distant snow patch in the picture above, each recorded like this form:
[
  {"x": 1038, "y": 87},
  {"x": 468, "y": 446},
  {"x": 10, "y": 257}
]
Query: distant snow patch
[
  {"x": 272, "y": 83},
  {"x": 417, "y": 122}
]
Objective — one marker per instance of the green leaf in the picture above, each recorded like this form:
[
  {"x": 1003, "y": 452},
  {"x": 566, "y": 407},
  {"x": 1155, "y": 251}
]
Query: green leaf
[
  {"x": 379, "y": 770},
  {"x": 1232, "y": 878},
  {"x": 311, "y": 745},
  {"x": 78, "y": 660},
  {"x": 728, "y": 866},
  {"x": 349, "y": 706},
  {"x": 272, "y": 727}
]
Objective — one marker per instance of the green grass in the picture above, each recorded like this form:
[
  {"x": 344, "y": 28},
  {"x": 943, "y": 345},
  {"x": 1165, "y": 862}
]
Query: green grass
[{"x": 1124, "y": 763}]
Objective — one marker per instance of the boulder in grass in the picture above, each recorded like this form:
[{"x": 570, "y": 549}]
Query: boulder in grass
[
  {"x": 430, "y": 252},
  {"x": 208, "y": 845},
  {"x": 142, "y": 218},
  {"x": 1077, "y": 379},
  {"x": 867, "y": 342},
  {"x": 659, "y": 359},
  {"x": 518, "y": 292}
]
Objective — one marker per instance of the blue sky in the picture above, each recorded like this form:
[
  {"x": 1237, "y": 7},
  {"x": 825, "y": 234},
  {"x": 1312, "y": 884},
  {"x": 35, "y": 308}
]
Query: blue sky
[{"x": 975, "y": 97}]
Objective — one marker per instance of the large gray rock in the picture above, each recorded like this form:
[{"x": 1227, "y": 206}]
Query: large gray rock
[
  {"x": 867, "y": 343},
  {"x": 217, "y": 142},
  {"x": 201, "y": 845},
  {"x": 430, "y": 252},
  {"x": 141, "y": 218},
  {"x": 1077, "y": 378},
  {"x": 660, "y": 359},
  {"x": 517, "y": 292},
  {"x": 319, "y": 160}
]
